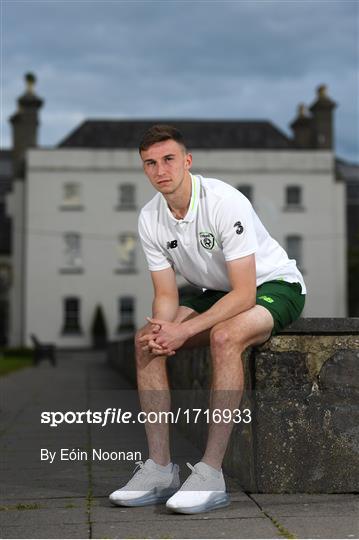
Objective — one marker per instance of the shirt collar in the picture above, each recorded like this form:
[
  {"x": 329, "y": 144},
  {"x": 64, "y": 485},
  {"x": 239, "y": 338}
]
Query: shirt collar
[{"x": 193, "y": 205}]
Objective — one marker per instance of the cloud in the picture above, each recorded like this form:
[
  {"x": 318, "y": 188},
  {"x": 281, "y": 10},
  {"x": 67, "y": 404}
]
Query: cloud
[{"x": 183, "y": 59}]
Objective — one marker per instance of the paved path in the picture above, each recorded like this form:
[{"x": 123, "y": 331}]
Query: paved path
[{"x": 68, "y": 499}]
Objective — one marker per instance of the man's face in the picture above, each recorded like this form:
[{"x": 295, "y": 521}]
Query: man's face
[{"x": 166, "y": 163}]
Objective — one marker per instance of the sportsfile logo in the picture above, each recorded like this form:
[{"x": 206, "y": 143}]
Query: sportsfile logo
[{"x": 118, "y": 416}]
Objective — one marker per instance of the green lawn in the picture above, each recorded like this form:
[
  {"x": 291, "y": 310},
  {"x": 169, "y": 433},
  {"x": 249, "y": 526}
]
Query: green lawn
[{"x": 12, "y": 362}]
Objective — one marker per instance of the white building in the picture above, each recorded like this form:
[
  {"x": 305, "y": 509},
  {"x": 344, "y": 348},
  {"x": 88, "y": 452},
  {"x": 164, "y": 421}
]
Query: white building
[{"x": 75, "y": 218}]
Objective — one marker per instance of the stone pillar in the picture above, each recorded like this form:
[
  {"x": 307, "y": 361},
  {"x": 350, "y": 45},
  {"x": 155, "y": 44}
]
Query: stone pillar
[
  {"x": 25, "y": 124},
  {"x": 302, "y": 128},
  {"x": 323, "y": 122}
]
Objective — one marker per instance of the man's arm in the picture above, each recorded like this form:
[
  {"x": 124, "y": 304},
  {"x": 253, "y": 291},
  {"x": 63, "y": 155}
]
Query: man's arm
[
  {"x": 164, "y": 306},
  {"x": 165, "y": 300},
  {"x": 242, "y": 276}
]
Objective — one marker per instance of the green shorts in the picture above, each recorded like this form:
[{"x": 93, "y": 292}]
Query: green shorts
[{"x": 283, "y": 300}]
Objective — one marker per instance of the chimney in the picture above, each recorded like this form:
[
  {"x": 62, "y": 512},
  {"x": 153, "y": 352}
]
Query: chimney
[
  {"x": 25, "y": 124},
  {"x": 323, "y": 123},
  {"x": 302, "y": 128}
]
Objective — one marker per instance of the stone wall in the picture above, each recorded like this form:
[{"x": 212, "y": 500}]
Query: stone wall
[{"x": 302, "y": 388}]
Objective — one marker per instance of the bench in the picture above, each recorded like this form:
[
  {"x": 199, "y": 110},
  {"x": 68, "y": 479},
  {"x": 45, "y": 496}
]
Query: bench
[{"x": 43, "y": 351}]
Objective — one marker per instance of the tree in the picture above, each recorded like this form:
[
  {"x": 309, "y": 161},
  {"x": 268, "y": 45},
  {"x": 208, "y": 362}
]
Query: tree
[{"x": 99, "y": 329}]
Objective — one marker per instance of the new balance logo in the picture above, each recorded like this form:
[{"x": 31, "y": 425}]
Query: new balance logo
[
  {"x": 266, "y": 299},
  {"x": 172, "y": 244}
]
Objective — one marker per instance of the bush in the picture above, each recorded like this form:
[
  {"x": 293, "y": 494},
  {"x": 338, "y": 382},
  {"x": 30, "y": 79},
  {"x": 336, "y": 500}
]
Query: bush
[
  {"x": 16, "y": 351},
  {"x": 99, "y": 329}
]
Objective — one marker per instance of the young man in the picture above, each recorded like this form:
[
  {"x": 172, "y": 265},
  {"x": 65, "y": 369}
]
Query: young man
[{"x": 210, "y": 233}]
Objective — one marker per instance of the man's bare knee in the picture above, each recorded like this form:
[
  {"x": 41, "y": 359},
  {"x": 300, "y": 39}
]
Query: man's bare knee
[
  {"x": 251, "y": 327},
  {"x": 221, "y": 336},
  {"x": 225, "y": 334}
]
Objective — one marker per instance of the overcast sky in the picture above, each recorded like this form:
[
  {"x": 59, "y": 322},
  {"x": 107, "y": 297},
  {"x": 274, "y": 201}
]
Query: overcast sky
[{"x": 184, "y": 59}]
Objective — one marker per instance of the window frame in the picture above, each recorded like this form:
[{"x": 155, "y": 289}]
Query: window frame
[
  {"x": 290, "y": 206},
  {"x": 76, "y": 268},
  {"x": 123, "y": 205},
  {"x": 298, "y": 257},
  {"x": 73, "y": 327},
  {"x": 67, "y": 204},
  {"x": 126, "y": 326},
  {"x": 127, "y": 269}
]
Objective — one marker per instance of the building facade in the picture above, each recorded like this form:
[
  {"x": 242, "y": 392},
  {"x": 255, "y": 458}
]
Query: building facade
[
  {"x": 6, "y": 177},
  {"x": 75, "y": 218},
  {"x": 349, "y": 174}
]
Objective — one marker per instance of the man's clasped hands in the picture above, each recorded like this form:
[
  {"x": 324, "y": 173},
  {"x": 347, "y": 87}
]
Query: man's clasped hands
[{"x": 164, "y": 337}]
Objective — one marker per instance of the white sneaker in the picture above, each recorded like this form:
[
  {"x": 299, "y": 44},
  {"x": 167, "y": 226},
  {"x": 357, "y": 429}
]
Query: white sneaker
[
  {"x": 149, "y": 485},
  {"x": 204, "y": 490}
]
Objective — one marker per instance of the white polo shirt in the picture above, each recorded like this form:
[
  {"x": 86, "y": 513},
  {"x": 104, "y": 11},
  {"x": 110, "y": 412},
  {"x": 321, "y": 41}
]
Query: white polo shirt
[{"x": 220, "y": 225}]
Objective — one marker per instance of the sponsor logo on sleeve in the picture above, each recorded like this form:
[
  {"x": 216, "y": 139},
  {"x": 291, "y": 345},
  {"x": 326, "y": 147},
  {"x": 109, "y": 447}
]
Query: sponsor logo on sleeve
[{"x": 239, "y": 227}]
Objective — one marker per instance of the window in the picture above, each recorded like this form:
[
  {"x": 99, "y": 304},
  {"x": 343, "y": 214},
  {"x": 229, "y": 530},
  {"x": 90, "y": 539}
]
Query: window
[
  {"x": 126, "y": 252},
  {"x": 4, "y": 321},
  {"x": 295, "y": 248},
  {"x": 294, "y": 197},
  {"x": 71, "y": 316},
  {"x": 5, "y": 277},
  {"x": 72, "y": 250},
  {"x": 5, "y": 230},
  {"x": 247, "y": 191},
  {"x": 71, "y": 198},
  {"x": 127, "y": 196},
  {"x": 126, "y": 313}
]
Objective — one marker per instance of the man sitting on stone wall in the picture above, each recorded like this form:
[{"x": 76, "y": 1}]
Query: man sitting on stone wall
[{"x": 209, "y": 232}]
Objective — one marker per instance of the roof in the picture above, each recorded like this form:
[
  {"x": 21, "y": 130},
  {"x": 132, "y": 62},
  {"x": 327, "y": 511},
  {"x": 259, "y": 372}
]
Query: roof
[
  {"x": 347, "y": 171},
  {"x": 213, "y": 134}
]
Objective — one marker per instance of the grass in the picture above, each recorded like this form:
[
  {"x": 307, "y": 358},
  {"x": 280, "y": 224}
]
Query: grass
[
  {"x": 13, "y": 360},
  {"x": 283, "y": 532},
  {"x": 20, "y": 506}
]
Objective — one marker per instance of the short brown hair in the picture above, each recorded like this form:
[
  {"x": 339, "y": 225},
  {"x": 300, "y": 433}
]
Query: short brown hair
[{"x": 159, "y": 133}]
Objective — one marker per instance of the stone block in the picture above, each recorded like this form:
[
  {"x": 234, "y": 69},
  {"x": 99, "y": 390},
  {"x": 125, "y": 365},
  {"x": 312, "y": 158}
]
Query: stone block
[
  {"x": 302, "y": 387},
  {"x": 306, "y": 446},
  {"x": 340, "y": 375}
]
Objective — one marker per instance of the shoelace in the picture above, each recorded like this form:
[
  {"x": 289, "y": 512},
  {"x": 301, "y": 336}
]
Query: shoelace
[
  {"x": 194, "y": 471},
  {"x": 139, "y": 465}
]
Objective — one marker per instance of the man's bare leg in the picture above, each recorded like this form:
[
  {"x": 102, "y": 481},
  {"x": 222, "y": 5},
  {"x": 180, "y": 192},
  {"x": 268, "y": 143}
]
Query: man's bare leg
[
  {"x": 153, "y": 388},
  {"x": 154, "y": 395},
  {"x": 229, "y": 339}
]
